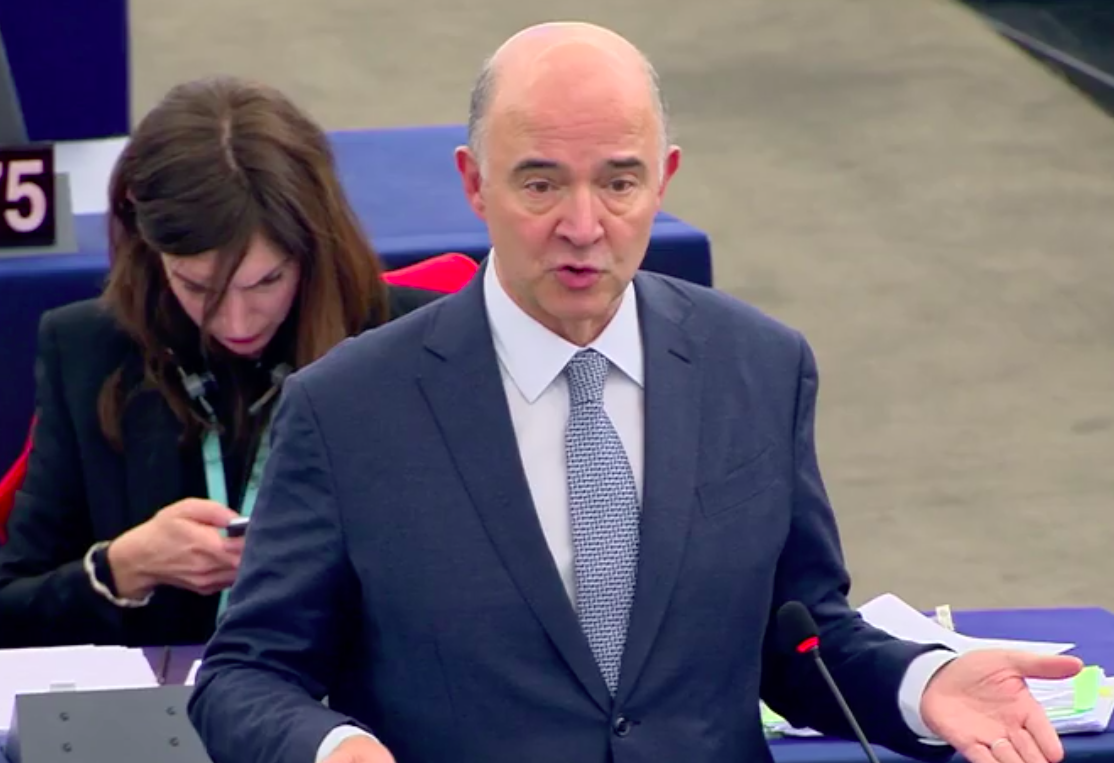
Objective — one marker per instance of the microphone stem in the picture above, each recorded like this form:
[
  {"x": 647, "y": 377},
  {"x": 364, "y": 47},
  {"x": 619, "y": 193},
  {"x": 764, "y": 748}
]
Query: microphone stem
[{"x": 843, "y": 706}]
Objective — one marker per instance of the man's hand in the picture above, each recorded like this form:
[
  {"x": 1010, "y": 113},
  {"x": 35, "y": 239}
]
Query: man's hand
[
  {"x": 181, "y": 546},
  {"x": 360, "y": 749},
  {"x": 980, "y": 705}
]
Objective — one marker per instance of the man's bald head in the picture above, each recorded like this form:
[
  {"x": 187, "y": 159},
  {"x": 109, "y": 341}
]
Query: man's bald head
[
  {"x": 567, "y": 164},
  {"x": 554, "y": 58}
]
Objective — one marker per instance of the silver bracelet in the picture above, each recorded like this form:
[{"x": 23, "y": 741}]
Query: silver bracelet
[{"x": 101, "y": 588}]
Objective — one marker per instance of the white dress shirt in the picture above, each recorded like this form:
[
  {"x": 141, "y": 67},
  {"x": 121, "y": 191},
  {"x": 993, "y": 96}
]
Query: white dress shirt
[{"x": 531, "y": 362}]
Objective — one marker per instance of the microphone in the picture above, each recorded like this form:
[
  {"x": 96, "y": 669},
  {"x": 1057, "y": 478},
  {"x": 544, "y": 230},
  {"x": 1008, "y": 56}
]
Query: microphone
[
  {"x": 798, "y": 633},
  {"x": 278, "y": 376},
  {"x": 196, "y": 386}
]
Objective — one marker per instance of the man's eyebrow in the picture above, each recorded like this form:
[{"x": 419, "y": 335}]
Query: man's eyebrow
[
  {"x": 626, "y": 163},
  {"x": 531, "y": 165}
]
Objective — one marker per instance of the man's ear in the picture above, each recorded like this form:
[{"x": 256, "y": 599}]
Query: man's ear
[{"x": 468, "y": 164}]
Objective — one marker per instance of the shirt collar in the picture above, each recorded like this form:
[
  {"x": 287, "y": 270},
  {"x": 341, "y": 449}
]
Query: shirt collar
[{"x": 534, "y": 356}]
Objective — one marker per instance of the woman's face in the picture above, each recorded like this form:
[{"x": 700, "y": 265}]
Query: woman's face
[{"x": 257, "y": 302}]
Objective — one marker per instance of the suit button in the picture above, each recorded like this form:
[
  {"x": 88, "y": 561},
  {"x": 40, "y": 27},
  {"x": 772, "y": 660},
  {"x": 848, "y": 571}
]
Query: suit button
[{"x": 622, "y": 726}]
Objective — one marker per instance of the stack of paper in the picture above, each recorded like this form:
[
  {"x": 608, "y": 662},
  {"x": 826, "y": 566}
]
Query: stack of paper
[
  {"x": 76, "y": 668},
  {"x": 776, "y": 726},
  {"x": 1082, "y": 704},
  {"x": 191, "y": 678},
  {"x": 894, "y": 616}
]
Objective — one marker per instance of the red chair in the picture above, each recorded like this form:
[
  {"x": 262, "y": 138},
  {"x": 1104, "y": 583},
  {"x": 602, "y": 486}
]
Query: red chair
[
  {"x": 10, "y": 483},
  {"x": 445, "y": 273}
]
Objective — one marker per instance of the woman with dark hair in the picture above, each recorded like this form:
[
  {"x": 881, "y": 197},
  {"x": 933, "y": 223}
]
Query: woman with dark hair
[{"x": 235, "y": 260}]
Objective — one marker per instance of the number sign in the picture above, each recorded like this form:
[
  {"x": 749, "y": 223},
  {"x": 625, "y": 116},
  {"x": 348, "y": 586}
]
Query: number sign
[{"x": 27, "y": 213}]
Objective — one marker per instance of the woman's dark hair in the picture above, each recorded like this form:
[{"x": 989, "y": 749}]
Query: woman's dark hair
[{"x": 214, "y": 165}]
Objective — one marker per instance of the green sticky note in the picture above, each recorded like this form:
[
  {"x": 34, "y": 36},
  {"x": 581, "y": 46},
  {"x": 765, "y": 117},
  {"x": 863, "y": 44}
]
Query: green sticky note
[
  {"x": 1087, "y": 684},
  {"x": 769, "y": 717},
  {"x": 770, "y": 721}
]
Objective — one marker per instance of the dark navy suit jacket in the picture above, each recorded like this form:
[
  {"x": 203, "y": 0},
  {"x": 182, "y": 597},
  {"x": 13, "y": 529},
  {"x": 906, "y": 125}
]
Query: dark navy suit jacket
[{"x": 396, "y": 565}]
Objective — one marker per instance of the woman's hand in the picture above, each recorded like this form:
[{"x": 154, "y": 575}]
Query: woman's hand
[{"x": 181, "y": 546}]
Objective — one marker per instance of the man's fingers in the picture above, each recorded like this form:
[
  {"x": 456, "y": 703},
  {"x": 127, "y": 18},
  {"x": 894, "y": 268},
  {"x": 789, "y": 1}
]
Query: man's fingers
[
  {"x": 978, "y": 753},
  {"x": 1028, "y": 748},
  {"x": 1047, "y": 741},
  {"x": 1045, "y": 666},
  {"x": 1004, "y": 752}
]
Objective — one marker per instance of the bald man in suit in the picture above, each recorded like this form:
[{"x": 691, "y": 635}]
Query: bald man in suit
[{"x": 549, "y": 518}]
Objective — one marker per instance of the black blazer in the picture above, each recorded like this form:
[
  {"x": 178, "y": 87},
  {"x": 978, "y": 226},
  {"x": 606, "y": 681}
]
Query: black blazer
[{"x": 79, "y": 490}]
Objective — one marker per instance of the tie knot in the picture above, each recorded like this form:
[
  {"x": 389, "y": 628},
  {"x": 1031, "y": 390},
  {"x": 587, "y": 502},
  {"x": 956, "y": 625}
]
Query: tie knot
[{"x": 586, "y": 372}]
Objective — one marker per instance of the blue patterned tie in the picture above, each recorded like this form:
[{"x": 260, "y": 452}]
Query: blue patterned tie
[{"x": 603, "y": 502}]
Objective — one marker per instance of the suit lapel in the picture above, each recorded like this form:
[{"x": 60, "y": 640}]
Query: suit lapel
[
  {"x": 672, "y": 417},
  {"x": 461, "y": 381}
]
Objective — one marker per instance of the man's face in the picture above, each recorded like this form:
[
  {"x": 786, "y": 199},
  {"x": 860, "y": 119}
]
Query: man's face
[{"x": 569, "y": 188}]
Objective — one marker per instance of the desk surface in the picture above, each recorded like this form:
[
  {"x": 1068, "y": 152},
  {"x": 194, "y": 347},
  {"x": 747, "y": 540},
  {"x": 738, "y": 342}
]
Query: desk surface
[{"x": 1092, "y": 630}]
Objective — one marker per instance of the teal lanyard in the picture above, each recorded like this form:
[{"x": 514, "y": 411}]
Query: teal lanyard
[
  {"x": 217, "y": 485},
  {"x": 215, "y": 482}
]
